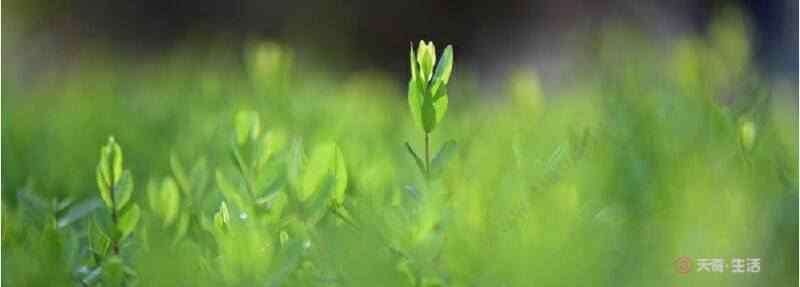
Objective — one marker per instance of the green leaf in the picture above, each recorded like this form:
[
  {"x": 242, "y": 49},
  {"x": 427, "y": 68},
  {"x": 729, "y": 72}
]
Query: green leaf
[
  {"x": 440, "y": 104},
  {"x": 428, "y": 113},
  {"x": 442, "y": 157},
  {"x": 117, "y": 160},
  {"x": 412, "y": 62},
  {"x": 78, "y": 211},
  {"x": 103, "y": 186},
  {"x": 426, "y": 57},
  {"x": 248, "y": 126},
  {"x": 127, "y": 222},
  {"x": 182, "y": 227},
  {"x": 445, "y": 67},
  {"x": 168, "y": 201},
  {"x": 317, "y": 209},
  {"x": 231, "y": 192},
  {"x": 417, "y": 159},
  {"x": 99, "y": 241},
  {"x": 104, "y": 166},
  {"x": 222, "y": 217},
  {"x": 416, "y": 97},
  {"x": 123, "y": 190},
  {"x": 340, "y": 173},
  {"x": 179, "y": 173},
  {"x": 326, "y": 160}
]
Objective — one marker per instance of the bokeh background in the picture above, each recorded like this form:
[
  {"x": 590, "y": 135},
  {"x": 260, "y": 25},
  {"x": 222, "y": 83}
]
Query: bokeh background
[
  {"x": 551, "y": 36},
  {"x": 598, "y": 142}
]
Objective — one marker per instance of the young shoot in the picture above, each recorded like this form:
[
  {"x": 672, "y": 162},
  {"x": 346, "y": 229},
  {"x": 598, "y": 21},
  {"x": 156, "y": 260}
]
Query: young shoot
[{"x": 427, "y": 98}]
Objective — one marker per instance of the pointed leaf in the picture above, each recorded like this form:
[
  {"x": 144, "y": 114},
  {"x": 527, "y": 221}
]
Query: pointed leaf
[
  {"x": 222, "y": 217},
  {"x": 426, "y": 57},
  {"x": 416, "y": 97},
  {"x": 417, "y": 159},
  {"x": 123, "y": 190},
  {"x": 317, "y": 209},
  {"x": 179, "y": 173},
  {"x": 248, "y": 126},
  {"x": 103, "y": 186},
  {"x": 78, "y": 211},
  {"x": 412, "y": 61},
  {"x": 183, "y": 226},
  {"x": 117, "y": 160},
  {"x": 340, "y": 173},
  {"x": 445, "y": 67},
  {"x": 440, "y": 104},
  {"x": 128, "y": 220},
  {"x": 168, "y": 201}
]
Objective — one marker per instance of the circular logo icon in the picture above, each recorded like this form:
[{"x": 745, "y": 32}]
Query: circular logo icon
[{"x": 683, "y": 265}]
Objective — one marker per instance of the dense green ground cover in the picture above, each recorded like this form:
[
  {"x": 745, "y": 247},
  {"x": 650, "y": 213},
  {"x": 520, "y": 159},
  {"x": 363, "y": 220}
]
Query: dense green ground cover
[{"x": 642, "y": 157}]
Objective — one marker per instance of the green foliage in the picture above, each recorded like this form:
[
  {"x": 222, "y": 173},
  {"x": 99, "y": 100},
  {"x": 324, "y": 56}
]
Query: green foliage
[
  {"x": 427, "y": 92},
  {"x": 634, "y": 163},
  {"x": 427, "y": 97}
]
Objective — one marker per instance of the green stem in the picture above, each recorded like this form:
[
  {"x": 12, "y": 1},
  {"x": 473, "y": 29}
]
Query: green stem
[
  {"x": 114, "y": 242},
  {"x": 427, "y": 154}
]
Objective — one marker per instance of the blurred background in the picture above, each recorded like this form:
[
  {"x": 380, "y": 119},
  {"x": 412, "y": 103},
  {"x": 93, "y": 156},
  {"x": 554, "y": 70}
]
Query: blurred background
[
  {"x": 552, "y": 36},
  {"x": 596, "y": 142}
]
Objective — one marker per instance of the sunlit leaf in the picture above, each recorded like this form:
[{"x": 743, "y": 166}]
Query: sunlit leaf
[
  {"x": 168, "y": 200},
  {"x": 117, "y": 160},
  {"x": 248, "y": 126},
  {"x": 416, "y": 97},
  {"x": 445, "y": 67},
  {"x": 426, "y": 57},
  {"x": 222, "y": 217}
]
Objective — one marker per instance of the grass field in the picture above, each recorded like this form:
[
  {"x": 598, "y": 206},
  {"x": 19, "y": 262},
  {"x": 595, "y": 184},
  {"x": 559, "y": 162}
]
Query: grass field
[{"x": 276, "y": 171}]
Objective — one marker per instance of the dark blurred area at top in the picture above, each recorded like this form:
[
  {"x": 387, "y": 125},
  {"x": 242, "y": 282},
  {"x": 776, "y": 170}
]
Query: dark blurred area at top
[{"x": 373, "y": 34}]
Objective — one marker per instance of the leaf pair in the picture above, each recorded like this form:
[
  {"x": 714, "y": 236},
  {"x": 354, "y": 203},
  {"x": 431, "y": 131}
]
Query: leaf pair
[
  {"x": 326, "y": 161},
  {"x": 440, "y": 160},
  {"x": 427, "y": 89}
]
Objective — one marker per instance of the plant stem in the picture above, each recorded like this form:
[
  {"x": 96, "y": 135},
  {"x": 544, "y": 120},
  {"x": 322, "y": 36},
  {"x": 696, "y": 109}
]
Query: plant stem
[
  {"x": 427, "y": 154},
  {"x": 114, "y": 242}
]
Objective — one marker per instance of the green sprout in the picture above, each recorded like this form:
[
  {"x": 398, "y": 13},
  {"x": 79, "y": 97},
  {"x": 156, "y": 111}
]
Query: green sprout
[
  {"x": 427, "y": 98},
  {"x": 116, "y": 187}
]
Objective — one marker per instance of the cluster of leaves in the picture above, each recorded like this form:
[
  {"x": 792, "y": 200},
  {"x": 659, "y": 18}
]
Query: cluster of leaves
[
  {"x": 556, "y": 190},
  {"x": 427, "y": 98},
  {"x": 108, "y": 237}
]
